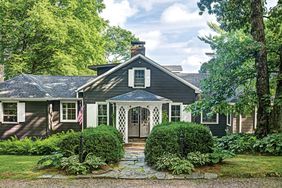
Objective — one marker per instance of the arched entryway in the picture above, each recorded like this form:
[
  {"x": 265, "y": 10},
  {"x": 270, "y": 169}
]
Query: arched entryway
[{"x": 138, "y": 122}]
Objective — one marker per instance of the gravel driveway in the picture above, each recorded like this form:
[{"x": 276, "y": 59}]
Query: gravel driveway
[{"x": 108, "y": 183}]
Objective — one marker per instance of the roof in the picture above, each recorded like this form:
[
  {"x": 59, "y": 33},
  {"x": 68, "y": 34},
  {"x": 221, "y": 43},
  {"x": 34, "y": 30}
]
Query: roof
[
  {"x": 40, "y": 86},
  {"x": 193, "y": 78},
  {"x": 197, "y": 90},
  {"x": 173, "y": 68},
  {"x": 96, "y": 67},
  {"x": 137, "y": 96}
]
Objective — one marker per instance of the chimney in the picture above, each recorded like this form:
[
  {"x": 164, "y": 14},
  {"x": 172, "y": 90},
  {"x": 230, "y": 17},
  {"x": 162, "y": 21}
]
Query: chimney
[
  {"x": 137, "y": 47},
  {"x": 2, "y": 73}
]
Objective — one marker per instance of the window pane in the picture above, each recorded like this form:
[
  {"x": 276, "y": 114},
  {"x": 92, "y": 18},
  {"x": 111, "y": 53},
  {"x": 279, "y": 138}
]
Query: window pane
[
  {"x": 209, "y": 117},
  {"x": 71, "y": 114},
  {"x": 102, "y": 114},
  {"x": 10, "y": 112},
  {"x": 139, "y": 78},
  {"x": 69, "y": 111},
  {"x": 175, "y": 113}
]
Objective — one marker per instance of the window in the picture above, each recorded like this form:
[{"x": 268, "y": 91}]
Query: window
[
  {"x": 228, "y": 119},
  {"x": 139, "y": 78},
  {"x": 68, "y": 111},
  {"x": 10, "y": 112},
  {"x": 209, "y": 118},
  {"x": 175, "y": 113},
  {"x": 102, "y": 114}
]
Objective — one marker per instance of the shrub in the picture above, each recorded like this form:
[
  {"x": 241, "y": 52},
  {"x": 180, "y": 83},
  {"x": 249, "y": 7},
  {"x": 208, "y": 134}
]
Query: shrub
[
  {"x": 237, "y": 143},
  {"x": 218, "y": 155},
  {"x": 198, "y": 158},
  {"x": 271, "y": 144},
  {"x": 174, "y": 164},
  {"x": 102, "y": 141},
  {"x": 93, "y": 162},
  {"x": 177, "y": 138},
  {"x": 50, "y": 161},
  {"x": 72, "y": 165}
]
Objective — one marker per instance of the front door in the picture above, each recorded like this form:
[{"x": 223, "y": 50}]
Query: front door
[{"x": 138, "y": 122}]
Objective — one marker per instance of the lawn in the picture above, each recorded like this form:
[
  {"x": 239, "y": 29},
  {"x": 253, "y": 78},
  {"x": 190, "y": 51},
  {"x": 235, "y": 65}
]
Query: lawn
[
  {"x": 19, "y": 167},
  {"x": 248, "y": 166}
]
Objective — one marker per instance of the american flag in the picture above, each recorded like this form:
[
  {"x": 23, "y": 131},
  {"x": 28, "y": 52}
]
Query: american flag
[{"x": 80, "y": 115}]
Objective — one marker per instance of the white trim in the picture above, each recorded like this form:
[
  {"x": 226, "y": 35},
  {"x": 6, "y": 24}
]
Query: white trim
[
  {"x": 169, "y": 110},
  {"x": 133, "y": 79},
  {"x": 210, "y": 123},
  {"x": 38, "y": 99},
  {"x": 240, "y": 123},
  {"x": 230, "y": 118},
  {"x": 256, "y": 118},
  {"x": 197, "y": 90},
  {"x": 8, "y": 122},
  {"x": 108, "y": 112},
  {"x": 61, "y": 112},
  {"x": 120, "y": 101}
]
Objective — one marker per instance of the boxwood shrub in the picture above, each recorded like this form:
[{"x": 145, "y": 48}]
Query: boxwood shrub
[
  {"x": 104, "y": 142},
  {"x": 178, "y": 138}
]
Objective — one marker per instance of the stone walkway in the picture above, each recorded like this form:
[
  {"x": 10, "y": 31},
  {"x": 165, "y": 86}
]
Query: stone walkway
[{"x": 133, "y": 166}]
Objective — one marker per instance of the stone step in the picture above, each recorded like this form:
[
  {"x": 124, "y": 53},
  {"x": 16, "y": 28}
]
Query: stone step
[{"x": 137, "y": 144}]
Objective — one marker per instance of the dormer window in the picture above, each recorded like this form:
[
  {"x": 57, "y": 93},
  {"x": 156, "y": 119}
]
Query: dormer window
[{"x": 139, "y": 77}]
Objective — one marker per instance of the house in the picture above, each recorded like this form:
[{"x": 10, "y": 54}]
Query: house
[{"x": 133, "y": 96}]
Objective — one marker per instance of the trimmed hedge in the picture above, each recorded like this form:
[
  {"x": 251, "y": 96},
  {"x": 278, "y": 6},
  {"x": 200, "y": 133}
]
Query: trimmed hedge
[
  {"x": 104, "y": 142},
  {"x": 178, "y": 138}
]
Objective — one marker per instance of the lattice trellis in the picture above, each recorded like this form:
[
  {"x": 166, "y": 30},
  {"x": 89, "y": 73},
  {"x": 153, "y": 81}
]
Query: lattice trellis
[
  {"x": 156, "y": 116},
  {"x": 122, "y": 121}
]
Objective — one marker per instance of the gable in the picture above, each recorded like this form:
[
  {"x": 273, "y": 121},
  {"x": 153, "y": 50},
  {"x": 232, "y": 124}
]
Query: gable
[
  {"x": 162, "y": 84},
  {"x": 147, "y": 60}
]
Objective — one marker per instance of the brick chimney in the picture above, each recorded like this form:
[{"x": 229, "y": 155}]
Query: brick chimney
[
  {"x": 1, "y": 73},
  {"x": 137, "y": 47}
]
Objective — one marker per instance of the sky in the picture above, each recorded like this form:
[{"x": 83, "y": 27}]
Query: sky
[{"x": 170, "y": 28}]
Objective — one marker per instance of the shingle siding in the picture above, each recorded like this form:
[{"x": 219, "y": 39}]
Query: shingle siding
[
  {"x": 162, "y": 84},
  {"x": 35, "y": 123}
]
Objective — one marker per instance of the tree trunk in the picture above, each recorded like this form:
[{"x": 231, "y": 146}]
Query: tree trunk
[
  {"x": 262, "y": 82},
  {"x": 276, "y": 123}
]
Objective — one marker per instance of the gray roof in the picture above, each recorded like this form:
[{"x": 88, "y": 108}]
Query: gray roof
[
  {"x": 173, "y": 68},
  {"x": 138, "y": 95},
  {"x": 39, "y": 86},
  {"x": 193, "y": 78}
]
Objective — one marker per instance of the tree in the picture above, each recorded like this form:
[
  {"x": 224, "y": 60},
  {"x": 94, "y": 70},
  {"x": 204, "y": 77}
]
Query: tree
[
  {"x": 118, "y": 44},
  {"x": 247, "y": 16},
  {"x": 59, "y": 37}
]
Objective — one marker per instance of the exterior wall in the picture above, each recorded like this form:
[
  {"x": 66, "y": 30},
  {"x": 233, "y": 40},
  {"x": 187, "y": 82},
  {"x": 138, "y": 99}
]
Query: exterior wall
[
  {"x": 162, "y": 84},
  {"x": 57, "y": 125},
  {"x": 35, "y": 124},
  {"x": 216, "y": 129},
  {"x": 247, "y": 124}
]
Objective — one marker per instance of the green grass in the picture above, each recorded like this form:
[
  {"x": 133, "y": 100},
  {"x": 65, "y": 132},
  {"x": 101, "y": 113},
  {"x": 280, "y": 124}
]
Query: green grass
[
  {"x": 248, "y": 166},
  {"x": 19, "y": 167}
]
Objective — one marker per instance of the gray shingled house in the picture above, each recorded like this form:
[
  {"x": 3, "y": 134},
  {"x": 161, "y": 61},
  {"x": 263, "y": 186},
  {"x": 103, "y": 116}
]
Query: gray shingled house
[{"x": 133, "y": 96}]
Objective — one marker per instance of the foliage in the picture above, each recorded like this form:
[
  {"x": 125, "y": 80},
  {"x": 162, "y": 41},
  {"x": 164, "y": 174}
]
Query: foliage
[
  {"x": 50, "y": 161},
  {"x": 178, "y": 138},
  {"x": 218, "y": 155},
  {"x": 272, "y": 144},
  {"x": 174, "y": 163},
  {"x": 103, "y": 141},
  {"x": 118, "y": 44},
  {"x": 72, "y": 165},
  {"x": 30, "y": 146},
  {"x": 198, "y": 158},
  {"x": 93, "y": 162},
  {"x": 237, "y": 143}
]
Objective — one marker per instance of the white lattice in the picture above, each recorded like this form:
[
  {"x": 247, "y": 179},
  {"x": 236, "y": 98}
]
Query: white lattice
[
  {"x": 122, "y": 122},
  {"x": 156, "y": 116}
]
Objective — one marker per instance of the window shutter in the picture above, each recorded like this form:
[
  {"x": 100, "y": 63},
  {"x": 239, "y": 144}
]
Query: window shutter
[
  {"x": 147, "y": 78},
  {"x": 91, "y": 115},
  {"x": 130, "y": 78},
  {"x": 21, "y": 112},
  {"x": 1, "y": 112},
  {"x": 186, "y": 115}
]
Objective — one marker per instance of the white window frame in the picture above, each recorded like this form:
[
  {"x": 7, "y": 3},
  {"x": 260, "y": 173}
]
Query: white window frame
[
  {"x": 139, "y": 68},
  {"x": 108, "y": 112},
  {"x": 9, "y": 122},
  {"x": 61, "y": 112},
  {"x": 181, "y": 109},
  {"x": 210, "y": 123},
  {"x": 228, "y": 117}
]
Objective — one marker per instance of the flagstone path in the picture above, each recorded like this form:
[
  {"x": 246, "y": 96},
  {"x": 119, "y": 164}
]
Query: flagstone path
[{"x": 133, "y": 166}]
